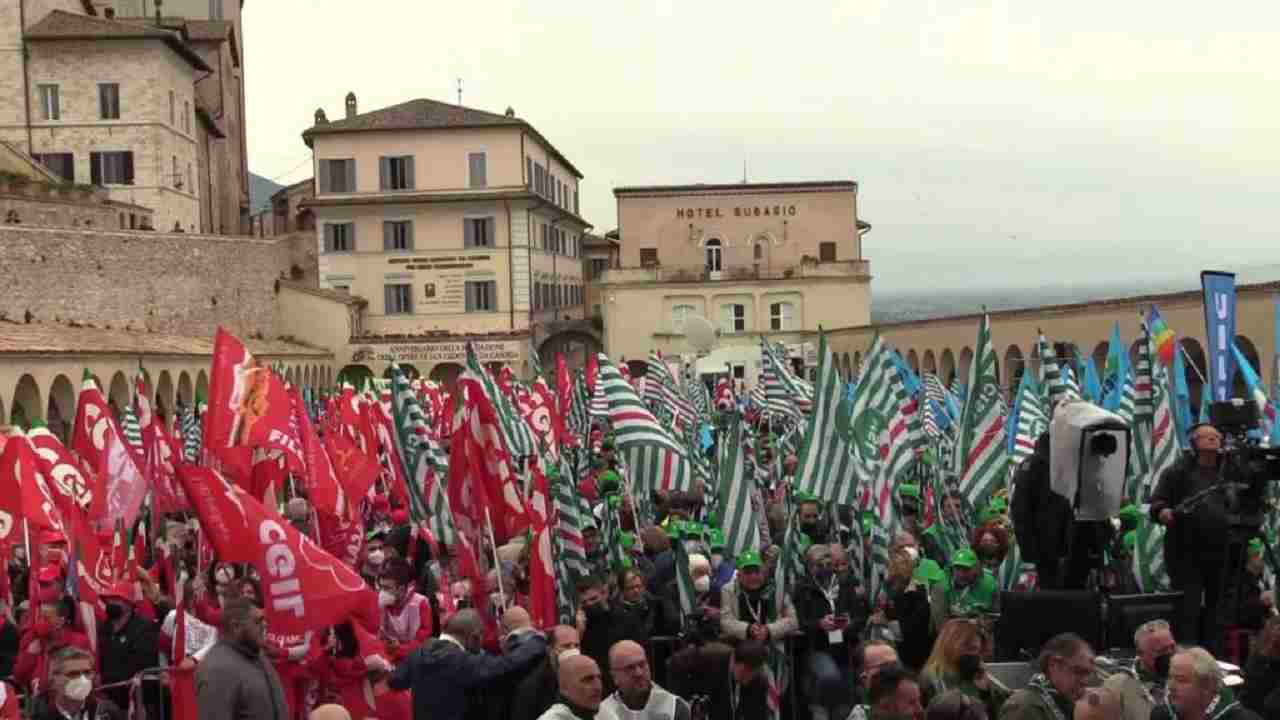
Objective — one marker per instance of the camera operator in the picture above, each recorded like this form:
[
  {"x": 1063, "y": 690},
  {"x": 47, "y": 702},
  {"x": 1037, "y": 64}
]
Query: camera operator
[{"x": 1199, "y": 552}]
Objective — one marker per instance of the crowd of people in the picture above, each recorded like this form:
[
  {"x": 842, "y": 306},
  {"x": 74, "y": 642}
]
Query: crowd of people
[{"x": 420, "y": 648}]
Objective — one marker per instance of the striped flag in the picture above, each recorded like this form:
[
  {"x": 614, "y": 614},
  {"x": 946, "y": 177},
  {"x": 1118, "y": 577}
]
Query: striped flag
[
  {"x": 1253, "y": 385},
  {"x": 190, "y": 435},
  {"x": 655, "y": 458},
  {"x": 661, "y": 391},
  {"x": 779, "y": 401},
  {"x": 739, "y": 521},
  {"x": 1143, "y": 407},
  {"x": 981, "y": 453},
  {"x": 516, "y": 435},
  {"x": 1032, "y": 419},
  {"x": 1055, "y": 385},
  {"x": 684, "y": 581},
  {"x": 827, "y": 461},
  {"x": 424, "y": 462}
]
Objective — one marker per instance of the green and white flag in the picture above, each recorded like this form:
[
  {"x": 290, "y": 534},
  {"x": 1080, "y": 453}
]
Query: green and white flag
[
  {"x": 655, "y": 459},
  {"x": 1033, "y": 419},
  {"x": 740, "y": 523},
  {"x": 827, "y": 467},
  {"x": 981, "y": 457},
  {"x": 684, "y": 580},
  {"x": 425, "y": 463}
]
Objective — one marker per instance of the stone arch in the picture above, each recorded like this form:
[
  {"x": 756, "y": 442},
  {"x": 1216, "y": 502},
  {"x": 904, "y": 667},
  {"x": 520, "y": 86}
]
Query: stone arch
[
  {"x": 26, "y": 405},
  {"x": 930, "y": 362},
  {"x": 1014, "y": 365},
  {"x": 355, "y": 375},
  {"x": 857, "y": 362},
  {"x": 289, "y": 376},
  {"x": 574, "y": 344},
  {"x": 966, "y": 360},
  {"x": 1250, "y": 352},
  {"x": 847, "y": 366},
  {"x": 1100, "y": 352},
  {"x": 446, "y": 373},
  {"x": 913, "y": 360},
  {"x": 164, "y": 396},
  {"x": 185, "y": 397},
  {"x": 62, "y": 408},
  {"x": 202, "y": 386},
  {"x": 410, "y": 371},
  {"x": 1196, "y": 371},
  {"x": 118, "y": 396},
  {"x": 947, "y": 367}
]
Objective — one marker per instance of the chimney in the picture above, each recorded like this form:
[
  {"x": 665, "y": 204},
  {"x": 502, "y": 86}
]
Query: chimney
[
  {"x": 351, "y": 105},
  {"x": 511, "y": 112},
  {"x": 320, "y": 118}
]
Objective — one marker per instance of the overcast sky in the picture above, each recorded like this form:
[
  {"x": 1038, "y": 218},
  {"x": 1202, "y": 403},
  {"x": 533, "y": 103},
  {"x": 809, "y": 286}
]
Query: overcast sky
[{"x": 997, "y": 143}]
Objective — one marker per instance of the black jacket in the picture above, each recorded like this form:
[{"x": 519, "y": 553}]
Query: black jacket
[
  {"x": 1041, "y": 517},
  {"x": 812, "y": 605},
  {"x": 598, "y": 637},
  {"x": 699, "y": 628},
  {"x": 637, "y": 622},
  {"x": 1206, "y": 528},
  {"x": 441, "y": 673},
  {"x": 123, "y": 654},
  {"x": 95, "y": 709},
  {"x": 910, "y": 607},
  {"x": 702, "y": 677},
  {"x": 1261, "y": 692},
  {"x": 1239, "y": 712},
  {"x": 535, "y": 694}
]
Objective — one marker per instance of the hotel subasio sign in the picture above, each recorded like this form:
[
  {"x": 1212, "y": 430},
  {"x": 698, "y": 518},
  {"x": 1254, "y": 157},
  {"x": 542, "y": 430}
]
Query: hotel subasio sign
[{"x": 741, "y": 211}]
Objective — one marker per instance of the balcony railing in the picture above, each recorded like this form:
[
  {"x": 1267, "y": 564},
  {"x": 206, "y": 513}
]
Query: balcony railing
[{"x": 736, "y": 273}]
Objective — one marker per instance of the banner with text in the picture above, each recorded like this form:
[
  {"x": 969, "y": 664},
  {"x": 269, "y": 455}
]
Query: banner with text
[{"x": 1220, "y": 330}]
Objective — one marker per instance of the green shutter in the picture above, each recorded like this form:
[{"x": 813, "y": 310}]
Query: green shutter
[
  {"x": 468, "y": 233},
  {"x": 408, "y": 229},
  {"x": 384, "y": 173},
  {"x": 351, "y": 175},
  {"x": 323, "y": 166},
  {"x": 490, "y": 227},
  {"x": 408, "y": 173},
  {"x": 388, "y": 235}
]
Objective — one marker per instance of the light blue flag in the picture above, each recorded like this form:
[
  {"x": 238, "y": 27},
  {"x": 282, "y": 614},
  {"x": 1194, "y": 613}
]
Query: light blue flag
[
  {"x": 1206, "y": 399},
  {"x": 1181, "y": 399},
  {"x": 1014, "y": 411},
  {"x": 910, "y": 381},
  {"x": 1091, "y": 384},
  {"x": 1115, "y": 371}
]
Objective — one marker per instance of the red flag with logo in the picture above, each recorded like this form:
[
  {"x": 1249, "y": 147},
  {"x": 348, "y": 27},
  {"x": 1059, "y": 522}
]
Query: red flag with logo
[
  {"x": 248, "y": 404},
  {"x": 70, "y": 483},
  {"x": 354, "y": 471},
  {"x": 21, "y": 496},
  {"x": 542, "y": 583},
  {"x": 304, "y": 587},
  {"x": 326, "y": 493},
  {"x": 121, "y": 483}
]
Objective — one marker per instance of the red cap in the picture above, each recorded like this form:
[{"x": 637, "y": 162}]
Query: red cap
[
  {"x": 49, "y": 537},
  {"x": 400, "y": 517},
  {"x": 49, "y": 575}
]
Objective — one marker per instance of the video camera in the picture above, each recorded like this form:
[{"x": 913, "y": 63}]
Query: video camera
[
  {"x": 1088, "y": 459},
  {"x": 1235, "y": 418}
]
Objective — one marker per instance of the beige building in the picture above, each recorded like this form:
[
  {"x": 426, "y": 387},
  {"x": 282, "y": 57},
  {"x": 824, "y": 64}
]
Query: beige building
[
  {"x": 454, "y": 223},
  {"x": 153, "y": 112},
  {"x": 945, "y": 346},
  {"x": 774, "y": 260}
]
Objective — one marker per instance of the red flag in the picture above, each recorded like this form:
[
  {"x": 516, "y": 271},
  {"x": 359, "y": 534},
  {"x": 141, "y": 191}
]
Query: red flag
[
  {"x": 542, "y": 583},
  {"x": 305, "y": 588},
  {"x": 327, "y": 495},
  {"x": 248, "y": 404},
  {"x": 70, "y": 484},
  {"x": 161, "y": 458},
  {"x": 121, "y": 483},
  {"x": 491, "y": 470},
  {"x": 355, "y": 472},
  {"x": 385, "y": 452},
  {"x": 341, "y": 537},
  {"x": 591, "y": 372},
  {"x": 24, "y": 492}
]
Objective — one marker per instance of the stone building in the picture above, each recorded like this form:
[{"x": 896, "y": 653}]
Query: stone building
[
  {"x": 151, "y": 108},
  {"x": 772, "y": 260},
  {"x": 455, "y": 223}
]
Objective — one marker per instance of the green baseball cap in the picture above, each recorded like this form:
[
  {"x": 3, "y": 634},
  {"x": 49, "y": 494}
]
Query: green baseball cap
[
  {"x": 965, "y": 558},
  {"x": 748, "y": 559},
  {"x": 715, "y": 539},
  {"x": 1255, "y": 547},
  {"x": 1131, "y": 540},
  {"x": 907, "y": 490}
]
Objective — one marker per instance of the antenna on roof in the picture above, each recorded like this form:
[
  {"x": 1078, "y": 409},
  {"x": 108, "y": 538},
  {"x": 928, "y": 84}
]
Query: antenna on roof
[{"x": 459, "y": 91}]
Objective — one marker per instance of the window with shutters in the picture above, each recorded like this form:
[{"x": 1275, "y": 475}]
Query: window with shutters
[
  {"x": 482, "y": 295},
  {"x": 338, "y": 176},
  {"x": 173, "y": 109},
  {"x": 477, "y": 232},
  {"x": 543, "y": 238},
  {"x": 733, "y": 318},
  {"x": 598, "y": 266},
  {"x": 679, "y": 314},
  {"x": 539, "y": 178},
  {"x": 397, "y": 235},
  {"x": 528, "y": 175},
  {"x": 49, "y": 107},
  {"x": 477, "y": 170},
  {"x": 186, "y": 115},
  {"x": 109, "y": 101},
  {"x": 215, "y": 10},
  {"x": 64, "y": 164},
  {"x": 339, "y": 237},
  {"x": 111, "y": 168},
  {"x": 537, "y": 295},
  {"x": 399, "y": 299},
  {"x": 176, "y": 178},
  {"x": 827, "y": 252},
  {"x": 780, "y": 316},
  {"x": 648, "y": 257},
  {"x": 395, "y": 173},
  {"x": 575, "y": 203}
]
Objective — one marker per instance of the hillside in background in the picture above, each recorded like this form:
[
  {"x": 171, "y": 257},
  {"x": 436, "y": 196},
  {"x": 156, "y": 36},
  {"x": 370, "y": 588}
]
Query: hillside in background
[
  {"x": 260, "y": 192},
  {"x": 901, "y": 305}
]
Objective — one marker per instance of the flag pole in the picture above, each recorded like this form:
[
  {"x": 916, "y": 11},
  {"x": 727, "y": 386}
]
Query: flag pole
[{"x": 497, "y": 562}]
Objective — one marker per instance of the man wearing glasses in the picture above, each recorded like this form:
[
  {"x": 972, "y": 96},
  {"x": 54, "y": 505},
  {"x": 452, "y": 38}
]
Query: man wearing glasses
[
  {"x": 637, "y": 697},
  {"x": 872, "y": 657},
  {"x": 1066, "y": 667}
]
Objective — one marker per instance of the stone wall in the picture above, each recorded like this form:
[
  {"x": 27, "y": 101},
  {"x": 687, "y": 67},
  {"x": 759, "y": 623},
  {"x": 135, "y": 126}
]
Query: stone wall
[
  {"x": 175, "y": 283},
  {"x": 60, "y": 211}
]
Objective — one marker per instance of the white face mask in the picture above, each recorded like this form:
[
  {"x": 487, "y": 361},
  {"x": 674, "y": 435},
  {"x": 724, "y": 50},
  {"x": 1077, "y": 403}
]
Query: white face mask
[
  {"x": 386, "y": 598},
  {"x": 914, "y": 553},
  {"x": 376, "y": 557},
  {"x": 78, "y": 688},
  {"x": 702, "y": 583}
]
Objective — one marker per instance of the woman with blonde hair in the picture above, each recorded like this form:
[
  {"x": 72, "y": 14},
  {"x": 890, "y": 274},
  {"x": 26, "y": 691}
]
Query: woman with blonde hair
[{"x": 956, "y": 664}]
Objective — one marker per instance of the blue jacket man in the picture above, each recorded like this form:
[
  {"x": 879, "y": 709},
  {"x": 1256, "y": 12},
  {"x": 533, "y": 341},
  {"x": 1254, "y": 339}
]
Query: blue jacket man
[{"x": 442, "y": 672}]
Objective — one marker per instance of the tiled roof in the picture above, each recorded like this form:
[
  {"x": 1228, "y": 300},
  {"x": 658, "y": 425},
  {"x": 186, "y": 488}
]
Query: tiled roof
[
  {"x": 42, "y": 338},
  {"x": 426, "y": 114},
  {"x": 334, "y": 295},
  {"x": 62, "y": 25}
]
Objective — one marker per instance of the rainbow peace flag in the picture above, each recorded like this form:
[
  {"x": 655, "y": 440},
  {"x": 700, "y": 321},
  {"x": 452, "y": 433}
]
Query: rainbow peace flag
[{"x": 1162, "y": 338}]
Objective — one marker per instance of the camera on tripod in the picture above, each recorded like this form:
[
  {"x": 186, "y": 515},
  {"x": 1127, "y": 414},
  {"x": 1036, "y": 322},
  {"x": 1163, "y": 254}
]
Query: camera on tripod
[{"x": 1235, "y": 418}]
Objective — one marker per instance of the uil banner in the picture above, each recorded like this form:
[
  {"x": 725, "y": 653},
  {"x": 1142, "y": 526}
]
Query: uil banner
[
  {"x": 304, "y": 587},
  {"x": 1220, "y": 330}
]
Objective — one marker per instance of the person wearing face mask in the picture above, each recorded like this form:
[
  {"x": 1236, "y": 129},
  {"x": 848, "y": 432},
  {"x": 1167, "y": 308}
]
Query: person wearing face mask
[
  {"x": 956, "y": 664},
  {"x": 1143, "y": 686},
  {"x": 1196, "y": 691},
  {"x": 70, "y": 695},
  {"x": 810, "y": 515},
  {"x": 831, "y": 616},
  {"x": 1066, "y": 667},
  {"x": 537, "y": 691},
  {"x": 968, "y": 591},
  {"x": 374, "y": 558},
  {"x": 443, "y": 672},
  {"x": 127, "y": 643},
  {"x": 596, "y": 622},
  {"x": 722, "y": 568},
  {"x": 48, "y": 633},
  {"x": 637, "y": 614},
  {"x": 406, "y": 616},
  {"x": 991, "y": 544},
  {"x": 236, "y": 679},
  {"x": 749, "y": 610}
]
